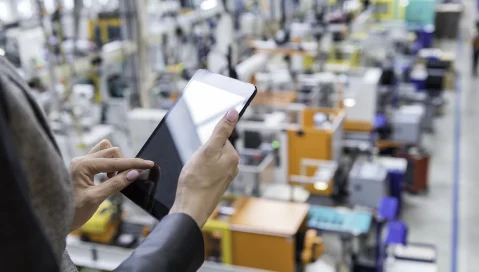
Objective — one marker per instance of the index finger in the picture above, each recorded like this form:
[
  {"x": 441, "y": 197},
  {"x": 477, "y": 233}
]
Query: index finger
[
  {"x": 223, "y": 129},
  {"x": 106, "y": 165}
]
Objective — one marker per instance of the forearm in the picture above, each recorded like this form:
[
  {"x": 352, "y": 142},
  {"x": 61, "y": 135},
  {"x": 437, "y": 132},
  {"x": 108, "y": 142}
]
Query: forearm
[{"x": 176, "y": 244}]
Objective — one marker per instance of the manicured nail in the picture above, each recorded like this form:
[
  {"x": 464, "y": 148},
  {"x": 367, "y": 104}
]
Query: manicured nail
[
  {"x": 232, "y": 116},
  {"x": 152, "y": 163},
  {"x": 132, "y": 175}
]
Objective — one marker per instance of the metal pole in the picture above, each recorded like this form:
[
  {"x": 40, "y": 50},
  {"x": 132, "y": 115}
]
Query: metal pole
[{"x": 134, "y": 18}]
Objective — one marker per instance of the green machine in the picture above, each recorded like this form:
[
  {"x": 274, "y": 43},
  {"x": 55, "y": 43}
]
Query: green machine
[{"x": 419, "y": 13}]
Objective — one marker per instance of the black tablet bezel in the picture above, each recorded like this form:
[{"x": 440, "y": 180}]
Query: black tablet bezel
[{"x": 224, "y": 83}]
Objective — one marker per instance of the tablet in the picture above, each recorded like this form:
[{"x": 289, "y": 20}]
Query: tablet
[{"x": 188, "y": 124}]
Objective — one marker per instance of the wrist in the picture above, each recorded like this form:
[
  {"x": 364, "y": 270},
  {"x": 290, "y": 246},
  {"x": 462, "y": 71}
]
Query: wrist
[{"x": 200, "y": 221}]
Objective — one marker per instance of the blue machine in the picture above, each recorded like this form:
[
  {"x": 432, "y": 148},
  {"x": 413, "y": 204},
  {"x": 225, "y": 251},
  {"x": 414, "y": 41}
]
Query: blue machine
[
  {"x": 396, "y": 233},
  {"x": 388, "y": 209}
]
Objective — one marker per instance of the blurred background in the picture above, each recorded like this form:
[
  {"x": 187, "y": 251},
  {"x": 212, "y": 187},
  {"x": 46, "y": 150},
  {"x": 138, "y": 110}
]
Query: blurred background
[{"x": 357, "y": 153}]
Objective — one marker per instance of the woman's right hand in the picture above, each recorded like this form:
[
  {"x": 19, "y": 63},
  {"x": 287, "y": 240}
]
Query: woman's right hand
[{"x": 208, "y": 173}]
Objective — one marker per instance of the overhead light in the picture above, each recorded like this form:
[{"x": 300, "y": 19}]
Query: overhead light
[
  {"x": 2, "y": 52},
  {"x": 208, "y": 4},
  {"x": 321, "y": 186},
  {"x": 349, "y": 102}
]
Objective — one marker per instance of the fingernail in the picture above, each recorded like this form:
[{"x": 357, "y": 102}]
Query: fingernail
[
  {"x": 150, "y": 162},
  {"x": 232, "y": 116},
  {"x": 132, "y": 175}
]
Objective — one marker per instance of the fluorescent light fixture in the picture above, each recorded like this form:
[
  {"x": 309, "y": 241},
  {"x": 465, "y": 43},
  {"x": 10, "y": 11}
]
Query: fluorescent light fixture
[
  {"x": 2, "y": 52},
  {"x": 208, "y": 4},
  {"x": 349, "y": 102},
  {"x": 321, "y": 186}
]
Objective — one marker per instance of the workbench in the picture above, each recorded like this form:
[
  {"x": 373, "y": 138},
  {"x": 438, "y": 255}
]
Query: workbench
[{"x": 263, "y": 233}]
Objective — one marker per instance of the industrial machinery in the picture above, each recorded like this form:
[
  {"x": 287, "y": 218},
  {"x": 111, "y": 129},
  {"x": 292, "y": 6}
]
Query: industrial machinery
[
  {"x": 318, "y": 90},
  {"x": 319, "y": 137},
  {"x": 413, "y": 256},
  {"x": 106, "y": 28},
  {"x": 407, "y": 124},
  {"x": 77, "y": 127},
  {"x": 417, "y": 173},
  {"x": 141, "y": 124},
  {"x": 103, "y": 227},
  {"x": 368, "y": 184},
  {"x": 388, "y": 9},
  {"x": 360, "y": 99},
  {"x": 256, "y": 170},
  {"x": 345, "y": 54},
  {"x": 259, "y": 233}
]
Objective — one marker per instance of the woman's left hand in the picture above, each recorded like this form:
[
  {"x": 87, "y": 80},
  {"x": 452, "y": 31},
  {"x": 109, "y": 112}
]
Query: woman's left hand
[{"x": 103, "y": 158}]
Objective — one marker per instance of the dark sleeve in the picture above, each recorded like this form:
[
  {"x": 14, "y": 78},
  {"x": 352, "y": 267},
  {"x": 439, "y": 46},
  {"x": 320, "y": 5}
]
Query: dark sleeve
[
  {"x": 21, "y": 235},
  {"x": 176, "y": 244}
]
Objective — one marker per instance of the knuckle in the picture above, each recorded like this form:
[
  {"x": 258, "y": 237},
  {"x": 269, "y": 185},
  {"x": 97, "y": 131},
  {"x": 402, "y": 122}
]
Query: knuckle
[
  {"x": 235, "y": 173},
  {"x": 114, "y": 152},
  {"x": 104, "y": 144},
  {"x": 118, "y": 152},
  {"x": 234, "y": 159},
  {"x": 75, "y": 164},
  {"x": 75, "y": 161}
]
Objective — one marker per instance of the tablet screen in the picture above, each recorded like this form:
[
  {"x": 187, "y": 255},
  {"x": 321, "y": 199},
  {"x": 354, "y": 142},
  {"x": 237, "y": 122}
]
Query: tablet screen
[{"x": 188, "y": 125}]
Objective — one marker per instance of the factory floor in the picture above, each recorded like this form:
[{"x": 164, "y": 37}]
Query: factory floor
[{"x": 454, "y": 148}]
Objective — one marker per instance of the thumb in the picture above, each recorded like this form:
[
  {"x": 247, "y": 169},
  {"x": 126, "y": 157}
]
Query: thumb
[
  {"x": 115, "y": 184},
  {"x": 224, "y": 129}
]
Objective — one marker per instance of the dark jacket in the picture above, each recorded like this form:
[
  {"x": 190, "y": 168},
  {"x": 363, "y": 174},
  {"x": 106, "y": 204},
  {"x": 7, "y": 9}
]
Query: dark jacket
[{"x": 37, "y": 203}]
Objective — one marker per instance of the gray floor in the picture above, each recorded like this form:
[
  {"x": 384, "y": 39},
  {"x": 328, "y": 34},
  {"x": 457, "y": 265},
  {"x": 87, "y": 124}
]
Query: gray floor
[{"x": 429, "y": 216}]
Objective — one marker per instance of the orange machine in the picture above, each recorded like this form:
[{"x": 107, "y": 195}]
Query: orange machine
[
  {"x": 317, "y": 143},
  {"x": 357, "y": 126},
  {"x": 261, "y": 233}
]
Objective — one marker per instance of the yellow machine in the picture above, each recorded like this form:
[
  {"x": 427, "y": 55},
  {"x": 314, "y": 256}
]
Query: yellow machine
[
  {"x": 104, "y": 225},
  {"x": 350, "y": 57},
  {"x": 104, "y": 29},
  {"x": 389, "y": 9},
  {"x": 313, "y": 142},
  {"x": 357, "y": 126},
  {"x": 261, "y": 234}
]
